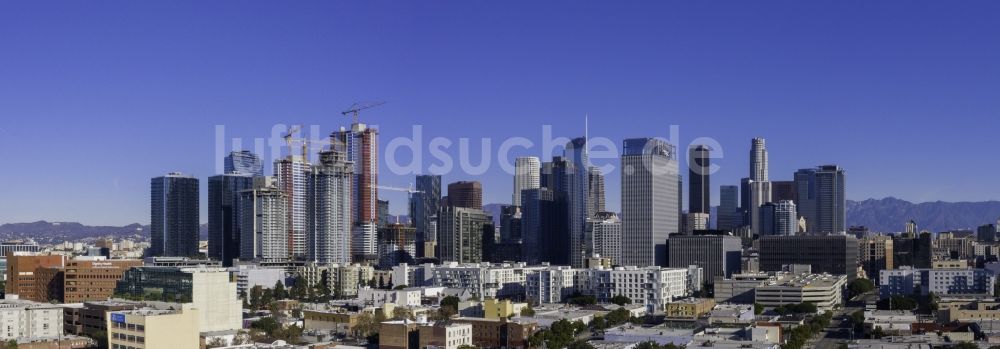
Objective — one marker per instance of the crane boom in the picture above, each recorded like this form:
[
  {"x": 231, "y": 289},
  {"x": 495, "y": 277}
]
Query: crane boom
[{"x": 355, "y": 108}]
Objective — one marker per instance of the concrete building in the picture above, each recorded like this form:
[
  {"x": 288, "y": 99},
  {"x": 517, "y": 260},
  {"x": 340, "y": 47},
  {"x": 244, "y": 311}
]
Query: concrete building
[
  {"x": 150, "y": 328},
  {"x": 496, "y": 333},
  {"x": 93, "y": 279},
  {"x": 716, "y": 255},
  {"x": 824, "y": 290},
  {"x": 908, "y": 281},
  {"x": 739, "y": 288},
  {"x": 209, "y": 290},
  {"x": 21, "y": 278},
  {"x": 396, "y": 244},
  {"x": 876, "y": 254},
  {"x": 650, "y": 200},
  {"x": 604, "y": 230},
  {"x": 779, "y": 218},
  {"x": 460, "y": 234},
  {"x": 27, "y": 320},
  {"x": 651, "y": 287},
  {"x": 834, "y": 254},
  {"x": 263, "y": 217},
  {"x": 174, "y": 215},
  {"x": 360, "y": 145},
  {"x": 330, "y": 203},
  {"x": 689, "y": 308},
  {"x": 248, "y": 276},
  {"x": 445, "y": 335}
]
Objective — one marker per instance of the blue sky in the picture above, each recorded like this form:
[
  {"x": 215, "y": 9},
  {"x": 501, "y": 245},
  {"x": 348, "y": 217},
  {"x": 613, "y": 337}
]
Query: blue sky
[{"x": 97, "y": 97}]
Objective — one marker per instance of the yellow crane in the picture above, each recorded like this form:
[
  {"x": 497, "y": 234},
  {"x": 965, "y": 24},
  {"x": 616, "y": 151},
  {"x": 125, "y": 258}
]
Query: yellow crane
[{"x": 289, "y": 139}]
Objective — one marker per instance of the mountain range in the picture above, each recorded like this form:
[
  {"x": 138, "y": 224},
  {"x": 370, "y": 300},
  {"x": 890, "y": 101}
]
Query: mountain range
[{"x": 879, "y": 215}]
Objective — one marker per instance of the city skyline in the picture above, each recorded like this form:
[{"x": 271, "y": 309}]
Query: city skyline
[{"x": 154, "y": 111}]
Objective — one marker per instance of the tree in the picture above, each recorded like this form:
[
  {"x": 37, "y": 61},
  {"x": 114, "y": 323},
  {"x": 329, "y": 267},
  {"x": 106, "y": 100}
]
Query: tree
[
  {"x": 401, "y": 313},
  {"x": 528, "y": 311},
  {"x": 618, "y": 316},
  {"x": 256, "y": 293},
  {"x": 580, "y": 344},
  {"x": 241, "y": 338},
  {"x": 400, "y": 287},
  {"x": 621, "y": 300},
  {"x": 298, "y": 291},
  {"x": 279, "y": 291},
  {"x": 216, "y": 342},
  {"x": 965, "y": 345},
  {"x": 860, "y": 286},
  {"x": 450, "y": 302},
  {"x": 11, "y": 344},
  {"x": 466, "y": 346},
  {"x": 900, "y": 302},
  {"x": 758, "y": 308}
]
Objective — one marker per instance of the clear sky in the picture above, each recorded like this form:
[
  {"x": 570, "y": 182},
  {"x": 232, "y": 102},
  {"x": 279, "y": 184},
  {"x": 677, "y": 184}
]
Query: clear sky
[{"x": 97, "y": 97}]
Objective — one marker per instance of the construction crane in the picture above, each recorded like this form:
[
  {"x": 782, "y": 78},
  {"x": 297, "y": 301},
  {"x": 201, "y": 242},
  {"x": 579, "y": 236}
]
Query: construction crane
[
  {"x": 359, "y": 106},
  {"x": 409, "y": 191},
  {"x": 289, "y": 139}
]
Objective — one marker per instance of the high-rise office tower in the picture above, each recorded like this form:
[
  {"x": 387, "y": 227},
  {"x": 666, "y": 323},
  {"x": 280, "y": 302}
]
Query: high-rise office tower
[
  {"x": 292, "y": 175},
  {"x": 578, "y": 195},
  {"x": 783, "y": 190},
  {"x": 699, "y": 190},
  {"x": 243, "y": 162},
  {"x": 758, "y": 160},
  {"x": 911, "y": 229},
  {"x": 779, "y": 218},
  {"x": 650, "y": 211},
  {"x": 468, "y": 194},
  {"x": 424, "y": 205},
  {"x": 223, "y": 215},
  {"x": 263, "y": 220},
  {"x": 695, "y": 221},
  {"x": 760, "y": 194},
  {"x": 460, "y": 234},
  {"x": 745, "y": 201},
  {"x": 543, "y": 227},
  {"x": 174, "y": 215},
  {"x": 987, "y": 233},
  {"x": 605, "y": 232},
  {"x": 527, "y": 175},
  {"x": 822, "y": 198},
  {"x": 729, "y": 217},
  {"x": 510, "y": 223},
  {"x": 361, "y": 146},
  {"x": 330, "y": 204},
  {"x": 383, "y": 213},
  {"x": 596, "y": 197}
]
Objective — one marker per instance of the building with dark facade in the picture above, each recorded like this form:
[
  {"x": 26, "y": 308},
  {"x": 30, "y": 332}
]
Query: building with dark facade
[
  {"x": 834, "y": 254},
  {"x": 468, "y": 194},
  {"x": 223, "y": 215},
  {"x": 174, "y": 216},
  {"x": 716, "y": 254}
]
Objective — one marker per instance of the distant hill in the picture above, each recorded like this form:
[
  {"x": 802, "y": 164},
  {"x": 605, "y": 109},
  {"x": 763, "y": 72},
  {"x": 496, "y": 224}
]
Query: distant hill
[
  {"x": 43, "y": 231},
  {"x": 891, "y": 214}
]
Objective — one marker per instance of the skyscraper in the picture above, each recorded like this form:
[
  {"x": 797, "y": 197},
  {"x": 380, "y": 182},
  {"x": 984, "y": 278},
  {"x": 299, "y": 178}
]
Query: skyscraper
[
  {"x": 650, "y": 211},
  {"x": 330, "y": 204},
  {"x": 758, "y": 160},
  {"x": 760, "y": 186},
  {"x": 596, "y": 196},
  {"x": 223, "y": 215},
  {"x": 543, "y": 227},
  {"x": 361, "y": 146},
  {"x": 243, "y": 162},
  {"x": 292, "y": 175},
  {"x": 578, "y": 195},
  {"x": 468, "y": 194},
  {"x": 729, "y": 217},
  {"x": 460, "y": 234},
  {"x": 527, "y": 175},
  {"x": 779, "y": 218},
  {"x": 783, "y": 190},
  {"x": 699, "y": 190},
  {"x": 834, "y": 254},
  {"x": 263, "y": 220},
  {"x": 718, "y": 256},
  {"x": 605, "y": 232},
  {"x": 822, "y": 198},
  {"x": 424, "y": 206},
  {"x": 396, "y": 245},
  {"x": 174, "y": 215}
]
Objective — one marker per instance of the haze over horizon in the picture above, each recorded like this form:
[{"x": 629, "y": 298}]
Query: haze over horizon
[{"x": 97, "y": 98}]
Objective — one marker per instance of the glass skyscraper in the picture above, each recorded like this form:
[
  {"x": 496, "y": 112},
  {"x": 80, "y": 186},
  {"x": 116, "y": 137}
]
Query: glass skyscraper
[
  {"x": 244, "y": 162},
  {"x": 174, "y": 215}
]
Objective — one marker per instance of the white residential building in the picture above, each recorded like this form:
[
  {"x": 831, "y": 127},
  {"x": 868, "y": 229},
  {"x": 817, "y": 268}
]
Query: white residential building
[{"x": 26, "y": 320}]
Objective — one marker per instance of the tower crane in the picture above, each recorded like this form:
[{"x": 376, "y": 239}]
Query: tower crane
[
  {"x": 355, "y": 108},
  {"x": 289, "y": 139}
]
